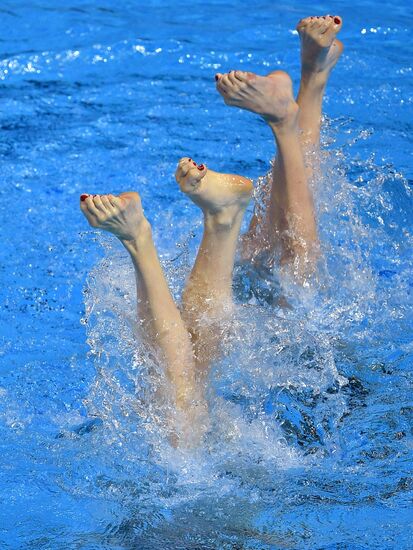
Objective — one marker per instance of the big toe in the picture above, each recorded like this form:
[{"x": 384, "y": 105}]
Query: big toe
[
  {"x": 338, "y": 22},
  {"x": 189, "y": 176}
]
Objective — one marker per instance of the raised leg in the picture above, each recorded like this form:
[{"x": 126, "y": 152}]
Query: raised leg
[
  {"x": 289, "y": 225},
  {"x": 163, "y": 326},
  {"x": 207, "y": 298},
  {"x": 320, "y": 51}
]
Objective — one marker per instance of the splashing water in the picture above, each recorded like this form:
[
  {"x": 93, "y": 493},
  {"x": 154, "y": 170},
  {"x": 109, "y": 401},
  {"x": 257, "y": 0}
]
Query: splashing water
[
  {"x": 311, "y": 441},
  {"x": 291, "y": 381}
]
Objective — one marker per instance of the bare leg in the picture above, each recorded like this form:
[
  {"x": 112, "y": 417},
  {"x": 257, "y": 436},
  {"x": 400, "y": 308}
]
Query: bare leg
[
  {"x": 123, "y": 216},
  {"x": 320, "y": 51},
  {"x": 207, "y": 298},
  {"x": 289, "y": 224}
]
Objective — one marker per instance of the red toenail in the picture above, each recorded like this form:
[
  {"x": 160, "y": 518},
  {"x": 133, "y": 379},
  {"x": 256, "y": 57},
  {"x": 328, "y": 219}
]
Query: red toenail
[
  {"x": 337, "y": 21},
  {"x": 201, "y": 167},
  {"x": 216, "y": 78},
  {"x": 83, "y": 197},
  {"x": 194, "y": 163},
  {"x": 190, "y": 160}
]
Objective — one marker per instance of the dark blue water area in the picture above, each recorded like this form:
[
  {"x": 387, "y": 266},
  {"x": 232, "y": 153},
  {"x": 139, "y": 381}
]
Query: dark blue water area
[{"x": 312, "y": 407}]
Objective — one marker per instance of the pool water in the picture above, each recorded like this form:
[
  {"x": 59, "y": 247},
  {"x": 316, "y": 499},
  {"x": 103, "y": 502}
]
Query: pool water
[{"x": 311, "y": 445}]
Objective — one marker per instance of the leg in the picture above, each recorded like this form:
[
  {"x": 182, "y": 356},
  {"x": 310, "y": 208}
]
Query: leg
[
  {"x": 289, "y": 224},
  {"x": 207, "y": 297},
  {"x": 123, "y": 216},
  {"x": 320, "y": 51}
]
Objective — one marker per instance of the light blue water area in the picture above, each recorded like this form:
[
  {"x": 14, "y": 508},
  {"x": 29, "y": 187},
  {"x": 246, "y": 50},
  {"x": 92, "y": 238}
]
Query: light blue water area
[{"x": 311, "y": 407}]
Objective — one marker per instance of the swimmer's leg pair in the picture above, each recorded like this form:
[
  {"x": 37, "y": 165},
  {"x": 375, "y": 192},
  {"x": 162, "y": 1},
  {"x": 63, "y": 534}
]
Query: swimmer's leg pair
[{"x": 288, "y": 224}]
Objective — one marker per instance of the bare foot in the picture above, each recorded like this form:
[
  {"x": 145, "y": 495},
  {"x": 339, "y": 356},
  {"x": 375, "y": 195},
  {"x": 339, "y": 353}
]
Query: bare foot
[
  {"x": 223, "y": 196},
  {"x": 122, "y": 215},
  {"x": 320, "y": 49},
  {"x": 269, "y": 96}
]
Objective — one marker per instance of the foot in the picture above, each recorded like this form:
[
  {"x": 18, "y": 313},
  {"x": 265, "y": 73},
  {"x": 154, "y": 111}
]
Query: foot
[
  {"x": 222, "y": 197},
  {"x": 121, "y": 215},
  {"x": 269, "y": 96},
  {"x": 320, "y": 49}
]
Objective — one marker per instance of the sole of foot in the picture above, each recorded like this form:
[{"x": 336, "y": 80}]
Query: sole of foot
[
  {"x": 121, "y": 215},
  {"x": 269, "y": 96},
  {"x": 320, "y": 50},
  {"x": 222, "y": 196}
]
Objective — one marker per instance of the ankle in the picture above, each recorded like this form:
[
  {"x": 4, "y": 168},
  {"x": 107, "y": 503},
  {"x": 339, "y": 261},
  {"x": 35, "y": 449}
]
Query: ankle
[
  {"x": 222, "y": 221},
  {"x": 285, "y": 129},
  {"x": 141, "y": 239},
  {"x": 288, "y": 123},
  {"x": 313, "y": 79}
]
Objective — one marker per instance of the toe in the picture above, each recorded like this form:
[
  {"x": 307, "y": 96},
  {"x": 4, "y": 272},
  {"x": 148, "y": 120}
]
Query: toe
[
  {"x": 330, "y": 26},
  {"x": 303, "y": 23},
  {"x": 83, "y": 203},
  {"x": 194, "y": 176},
  {"x": 194, "y": 172},
  {"x": 106, "y": 203},
  {"x": 324, "y": 26},
  {"x": 242, "y": 76},
  {"x": 98, "y": 203},
  {"x": 313, "y": 24},
  {"x": 184, "y": 166},
  {"x": 233, "y": 79},
  {"x": 90, "y": 206},
  {"x": 183, "y": 170},
  {"x": 116, "y": 202},
  {"x": 112, "y": 200},
  {"x": 224, "y": 84},
  {"x": 184, "y": 161},
  {"x": 180, "y": 173},
  {"x": 337, "y": 22}
]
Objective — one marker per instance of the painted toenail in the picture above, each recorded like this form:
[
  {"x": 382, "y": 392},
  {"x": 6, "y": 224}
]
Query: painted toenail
[
  {"x": 83, "y": 197},
  {"x": 337, "y": 21},
  {"x": 190, "y": 160},
  {"x": 194, "y": 163},
  {"x": 216, "y": 78},
  {"x": 201, "y": 167}
]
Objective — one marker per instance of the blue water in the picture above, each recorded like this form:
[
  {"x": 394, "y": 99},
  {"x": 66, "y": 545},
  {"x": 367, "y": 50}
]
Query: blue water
[{"x": 312, "y": 407}]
